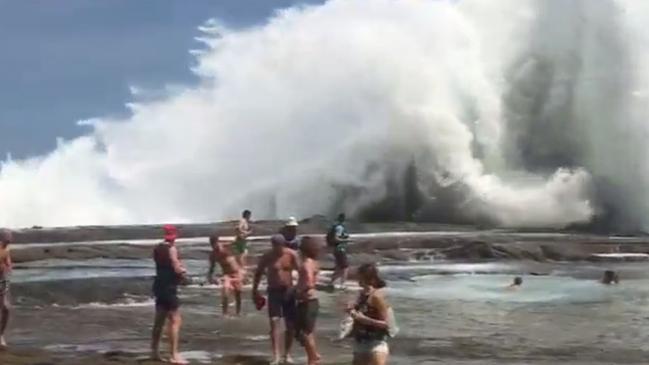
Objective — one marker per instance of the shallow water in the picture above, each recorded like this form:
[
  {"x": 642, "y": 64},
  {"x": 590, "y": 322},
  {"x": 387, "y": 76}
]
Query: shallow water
[{"x": 449, "y": 313}]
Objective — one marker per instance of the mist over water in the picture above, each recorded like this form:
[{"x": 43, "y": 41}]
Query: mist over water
[{"x": 516, "y": 112}]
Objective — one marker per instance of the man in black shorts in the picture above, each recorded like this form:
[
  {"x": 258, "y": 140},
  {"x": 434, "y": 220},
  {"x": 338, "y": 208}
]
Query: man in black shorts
[
  {"x": 278, "y": 265},
  {"x": 169, "y": 273}
]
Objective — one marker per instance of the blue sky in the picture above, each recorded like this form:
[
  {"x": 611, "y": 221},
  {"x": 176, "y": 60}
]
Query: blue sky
[{"x": 63, "y": 61}]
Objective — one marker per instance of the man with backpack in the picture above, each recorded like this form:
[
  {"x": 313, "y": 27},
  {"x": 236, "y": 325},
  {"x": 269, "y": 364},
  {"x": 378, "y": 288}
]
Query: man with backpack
[{"x": 338, "y": 239}]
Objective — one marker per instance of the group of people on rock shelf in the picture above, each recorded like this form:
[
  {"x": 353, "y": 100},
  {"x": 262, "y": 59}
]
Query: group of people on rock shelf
[
  {"x": 370, "y": 320},
  {"x": 293, "y": 302}
]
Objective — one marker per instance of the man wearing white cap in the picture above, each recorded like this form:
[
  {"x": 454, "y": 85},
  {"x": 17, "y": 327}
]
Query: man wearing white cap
[{"x": 289, "y": 231}]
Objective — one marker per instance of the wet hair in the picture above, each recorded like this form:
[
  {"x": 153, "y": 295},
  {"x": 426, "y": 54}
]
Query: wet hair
[
  {"x": 610, "y": 277},
  {"x": 310, "y": 247},
  {"x": 214, "y": 239},
  {"x": 6, "y": 237},
  {"x": 370, "y": 274},
  {"x": 341, "y": 217},
  {"x": 246, "y": 213},
  {"x": 518, "y": 280}
]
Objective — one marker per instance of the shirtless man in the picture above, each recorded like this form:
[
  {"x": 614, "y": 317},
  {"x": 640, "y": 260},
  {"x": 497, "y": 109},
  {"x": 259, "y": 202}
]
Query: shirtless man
[
  {"x": 5, "y": 270},
  {"x": 278, "y": 265},
  {"x": 240, "y": 244},
  {"x": 231, "y": 281},
  {"x": 170, "y": 272},
  {"x": 308, "y": 305}
]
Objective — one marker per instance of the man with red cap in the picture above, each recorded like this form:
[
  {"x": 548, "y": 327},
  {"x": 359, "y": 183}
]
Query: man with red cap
[
  {"x": 5, "y": 270},
  {"x": 169, "y": 273}
]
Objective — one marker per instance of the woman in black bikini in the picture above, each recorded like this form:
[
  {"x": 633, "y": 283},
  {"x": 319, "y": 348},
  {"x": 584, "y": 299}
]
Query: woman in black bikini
[{"x": 370, "y": 316}]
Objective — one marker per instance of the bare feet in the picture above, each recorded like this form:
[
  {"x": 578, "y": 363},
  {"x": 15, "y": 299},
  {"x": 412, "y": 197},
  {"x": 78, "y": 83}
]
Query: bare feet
[
  {"x": 3, "y": 343},
  {"x": 288, "y": 359},
  {"x": 178, "y": 360}
]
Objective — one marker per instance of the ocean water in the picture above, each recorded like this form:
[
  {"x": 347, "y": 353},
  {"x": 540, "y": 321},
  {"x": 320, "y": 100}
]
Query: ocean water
[{"x": 450, "y": 313}]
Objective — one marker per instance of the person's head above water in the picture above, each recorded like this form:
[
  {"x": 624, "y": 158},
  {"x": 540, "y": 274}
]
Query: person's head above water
[
  {"x": 610, "y": 277},
  {"x": 246, "y": 214},
  {"x": 518, "y": 281},
  {"x": 368, "y": 276},
  {"x": 6, "y": 237},
  {"x": 170, "y": 233}
]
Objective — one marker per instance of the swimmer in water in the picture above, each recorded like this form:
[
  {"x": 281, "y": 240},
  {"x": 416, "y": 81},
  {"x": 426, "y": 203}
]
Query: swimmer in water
[
  {"x": 610, "y": 277},
  {"x": 516, "y": 284}
]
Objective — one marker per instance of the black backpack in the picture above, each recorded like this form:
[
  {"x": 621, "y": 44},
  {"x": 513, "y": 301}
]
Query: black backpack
[{"x": 331, "y": 236}]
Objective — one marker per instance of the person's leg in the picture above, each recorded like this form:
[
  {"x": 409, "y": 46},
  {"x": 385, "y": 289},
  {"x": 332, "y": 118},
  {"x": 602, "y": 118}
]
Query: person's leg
[
  {"x": 343, "y": 276},
  {"x": 289, "y": 309},
  {"x": 158, "y": 324},
  {"x": 275, "y": 316},
  {"x": 175, "y": 321},
  {"x": 362, "y": 359},
  {"x": 275, "y": 339},
  {"x": 334, "y": 276},
  {"x": 379, "y": 358},
  {"x": 4, "y": 317},
  {"x": 225, "y": 296},
  {"x": 244, "y": 257},
  {"x": 313, "y": 307},
  {"x": 237, "y": 300}
]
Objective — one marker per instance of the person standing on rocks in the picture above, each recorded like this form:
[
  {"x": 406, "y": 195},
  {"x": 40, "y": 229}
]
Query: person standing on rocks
[
  {"x": 232, "y": 278},
  {"x": 278, "y": 265},
  {"x": 240, "y": 244},
  {"x": 338, "y": 239},
  {"x": 170, "y": 272},
  {"x": 6, "y": 238},
  {"x": 308, "y": 305},
  {"x": 289, "y": 231}
]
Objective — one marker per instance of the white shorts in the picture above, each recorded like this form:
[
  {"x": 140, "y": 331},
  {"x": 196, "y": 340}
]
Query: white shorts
[{"x": 370, "y": 347}]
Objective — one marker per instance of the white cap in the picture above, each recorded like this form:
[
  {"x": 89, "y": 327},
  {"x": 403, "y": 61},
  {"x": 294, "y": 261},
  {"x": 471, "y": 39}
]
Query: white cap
[{"x": 292, "y": 222}]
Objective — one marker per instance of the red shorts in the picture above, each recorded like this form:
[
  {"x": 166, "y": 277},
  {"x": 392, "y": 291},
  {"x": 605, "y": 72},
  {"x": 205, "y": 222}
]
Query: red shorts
[{"x": 232, "y": 282}]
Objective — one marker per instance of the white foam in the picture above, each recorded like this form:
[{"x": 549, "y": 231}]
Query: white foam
[{"x": 457, "y": 87}]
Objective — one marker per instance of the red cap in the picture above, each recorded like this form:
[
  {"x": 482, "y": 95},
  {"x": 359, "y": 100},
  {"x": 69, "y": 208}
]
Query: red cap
[
  {"x": 170, "y": 232},
  {"x": 260, "y": 302}
]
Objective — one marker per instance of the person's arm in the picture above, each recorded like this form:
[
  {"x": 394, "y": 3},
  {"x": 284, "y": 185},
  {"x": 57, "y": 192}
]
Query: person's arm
[
  {"x": 376, "y": 301},
  {"x": 175, "y": 262},
  {"x": 259, "y": 273},
  {"x": 210, "y": 273},
  {"x": 9, "y": 262},
  {"x": 311, "y": 272},
  {"x": 339, "y": 236}
]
